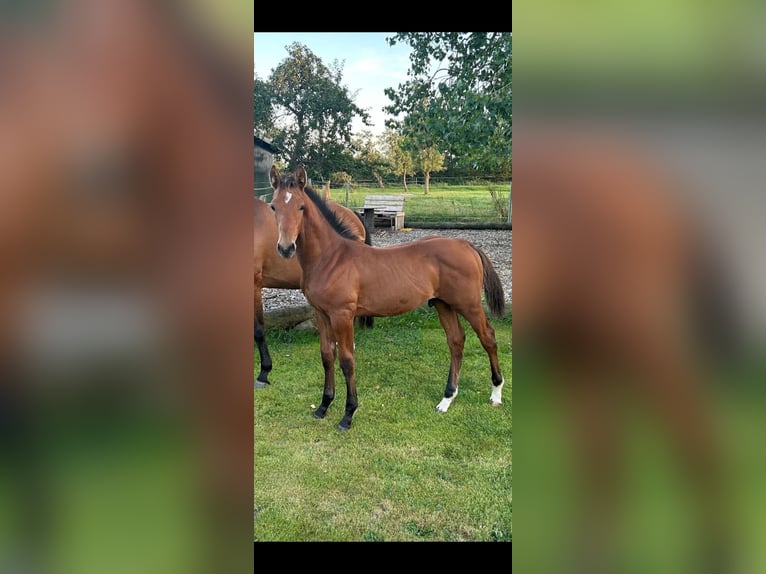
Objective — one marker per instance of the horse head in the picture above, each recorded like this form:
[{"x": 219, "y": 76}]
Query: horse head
[{"x": 288, "y": 205}]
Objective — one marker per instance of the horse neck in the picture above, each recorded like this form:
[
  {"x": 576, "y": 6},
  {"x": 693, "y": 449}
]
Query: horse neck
[{"x": 317, "y": 237}]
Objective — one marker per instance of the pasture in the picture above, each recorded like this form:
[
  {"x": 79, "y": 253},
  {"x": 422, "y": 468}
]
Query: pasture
[
  {"x": 404, "y": 472},
  {"x": 467, "y": 203}
]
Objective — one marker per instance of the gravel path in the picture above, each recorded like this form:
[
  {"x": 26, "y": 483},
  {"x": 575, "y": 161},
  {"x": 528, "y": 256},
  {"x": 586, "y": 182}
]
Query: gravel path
[{"x": 495, "y": 243}]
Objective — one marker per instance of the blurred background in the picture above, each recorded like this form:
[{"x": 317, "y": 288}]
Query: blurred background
[
  {"x": 125, "y": 310},
  {"x": 639, "y": 301},
  {"x": 125, "y": 304}
]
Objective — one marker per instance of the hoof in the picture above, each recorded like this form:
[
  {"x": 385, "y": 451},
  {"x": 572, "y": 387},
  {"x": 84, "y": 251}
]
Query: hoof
[
  {"x": 320, "y": 413},
  {"x": 260, "y": 384},
  {"x": 495, "y": 403},
  {"x": 344, "y": 425},
  {"x": 444, "y": 405}
]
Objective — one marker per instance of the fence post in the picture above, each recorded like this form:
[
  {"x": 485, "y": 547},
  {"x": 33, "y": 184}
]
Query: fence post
[
  {"x": 346, "y": 194},
  {"x": 510, "y": 202}
]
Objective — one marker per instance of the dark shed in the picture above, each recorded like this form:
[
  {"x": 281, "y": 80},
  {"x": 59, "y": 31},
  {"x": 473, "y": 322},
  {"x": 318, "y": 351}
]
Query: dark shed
[{"x": 263, "y": 157}]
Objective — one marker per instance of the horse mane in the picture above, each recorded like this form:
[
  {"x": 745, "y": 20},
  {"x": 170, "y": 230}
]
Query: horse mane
[{"x": 332, "y": 218}]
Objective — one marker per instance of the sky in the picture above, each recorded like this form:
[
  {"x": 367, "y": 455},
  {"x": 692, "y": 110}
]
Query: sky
[{"x": 371, "y": 65}]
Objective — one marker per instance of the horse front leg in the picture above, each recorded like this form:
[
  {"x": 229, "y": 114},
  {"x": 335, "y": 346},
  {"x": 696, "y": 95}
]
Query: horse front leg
[
  {"x": 259, "y": 334},
  {"x": 329, "y": 353},
  {"x": 343, "y": 329}
]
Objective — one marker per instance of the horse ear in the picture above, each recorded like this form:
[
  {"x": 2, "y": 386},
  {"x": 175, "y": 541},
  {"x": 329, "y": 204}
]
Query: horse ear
[
  {"x": 274, "y": 176},
  {"x": 300, "y": 176}
]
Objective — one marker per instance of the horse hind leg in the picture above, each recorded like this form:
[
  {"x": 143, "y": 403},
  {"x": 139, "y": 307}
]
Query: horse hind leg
[
  {"x": 259, "y": 333},
  {"x": 479, "y": 323},
  {"x": 365, "y": 321},
  {"x": 456, "y": 341}
]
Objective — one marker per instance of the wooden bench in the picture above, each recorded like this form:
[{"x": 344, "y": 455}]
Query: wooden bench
[{"x": 386, "y": 210}]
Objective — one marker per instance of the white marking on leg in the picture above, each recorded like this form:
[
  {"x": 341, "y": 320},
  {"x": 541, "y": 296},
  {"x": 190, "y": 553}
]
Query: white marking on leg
[
  {"x": 496, "y": 398},
  {"x": 445, "y": 403},
  {"x": 288, "y": 197}
]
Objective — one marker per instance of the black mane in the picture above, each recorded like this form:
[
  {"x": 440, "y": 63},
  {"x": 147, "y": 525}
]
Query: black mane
[
  {"x": 331, "y": 217},
  {"x": 334, "y": 221}
]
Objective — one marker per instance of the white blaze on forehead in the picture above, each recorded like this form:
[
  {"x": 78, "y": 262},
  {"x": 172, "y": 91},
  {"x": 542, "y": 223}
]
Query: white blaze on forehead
[{"x": 288, "y": 197}]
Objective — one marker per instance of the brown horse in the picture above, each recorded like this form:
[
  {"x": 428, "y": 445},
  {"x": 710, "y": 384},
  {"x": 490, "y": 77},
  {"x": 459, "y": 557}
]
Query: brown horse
[
  {"x": 344, "y": 278},
  {"x": 271, "y": 270}
]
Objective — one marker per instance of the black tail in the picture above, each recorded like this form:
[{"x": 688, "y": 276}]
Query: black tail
[
  {"x": 365, "y": 321},
  {"x": 493, "y": 288},
  {"x": 716, "y": 308}
]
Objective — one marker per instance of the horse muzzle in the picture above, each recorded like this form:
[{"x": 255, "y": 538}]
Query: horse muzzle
[{"x": 286, "y": 252}]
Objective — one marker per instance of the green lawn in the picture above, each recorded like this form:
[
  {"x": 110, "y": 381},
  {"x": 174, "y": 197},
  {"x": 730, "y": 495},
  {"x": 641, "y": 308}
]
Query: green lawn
[
  {"x": 403, "y": 472},
  {"x": 658, "y": 524},
  {"x": 453, "y": 203}
]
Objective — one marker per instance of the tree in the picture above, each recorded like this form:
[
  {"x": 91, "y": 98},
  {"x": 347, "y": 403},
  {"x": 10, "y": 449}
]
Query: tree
[
  {"x": 370, "y": 157},
  {"x": 399, "y": 156},
  {"x": 429, "y": 160},
  {"x": 312, "y": 112},
  {"x": 263, "y": 119},
  {"x": 458, "y": 96}
]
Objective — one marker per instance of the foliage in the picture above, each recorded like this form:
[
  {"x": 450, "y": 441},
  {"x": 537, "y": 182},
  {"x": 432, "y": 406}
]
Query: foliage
[
  {"x": 263, "y": 118},
  {"x": 340, "y": 177},
  {"x": 501, "y": 205},
  {"x": 312, "y": 112},
  {"x": 429, "y": 160},
  {"x": 370, "y": 158},
  {"x": 400, "y": 159},
  {"x": 458, "y": 96}
]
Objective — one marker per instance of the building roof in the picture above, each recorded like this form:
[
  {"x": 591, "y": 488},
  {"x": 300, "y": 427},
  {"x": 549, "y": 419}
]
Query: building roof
[{"x": 266, "y": 145}]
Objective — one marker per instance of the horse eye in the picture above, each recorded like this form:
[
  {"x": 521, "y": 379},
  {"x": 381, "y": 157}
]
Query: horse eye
[
  {"x": 272, "y": 207},
  {"x": 302, "y": 207}
]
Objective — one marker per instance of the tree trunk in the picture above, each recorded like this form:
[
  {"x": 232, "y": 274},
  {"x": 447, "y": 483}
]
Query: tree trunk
[
  {"x": 427, "y": 185},
  {"x": 404, "y": 181},
  {"x": 379, "y": 178},
  {"x": 327, "y": 196}
]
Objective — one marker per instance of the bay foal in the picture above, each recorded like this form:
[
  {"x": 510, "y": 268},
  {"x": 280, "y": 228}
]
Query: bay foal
[
  {"x": 343, "y": 278},
  {"x": 271, "y": 270}
]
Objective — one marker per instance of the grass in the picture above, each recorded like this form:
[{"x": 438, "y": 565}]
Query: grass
[
  {"x": 452, "y": 203},
  {"x": 659, "y": 524},
  {"x": 403, "y": 472}
]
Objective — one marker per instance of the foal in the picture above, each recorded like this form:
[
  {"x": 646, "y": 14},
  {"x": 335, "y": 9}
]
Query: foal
[
  {"x": 344, "y": 278},
  {"x": 271, "y": 270}
]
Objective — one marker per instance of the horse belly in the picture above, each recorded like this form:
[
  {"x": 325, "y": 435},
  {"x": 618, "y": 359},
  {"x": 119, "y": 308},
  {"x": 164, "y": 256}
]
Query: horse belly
[{"x": 384, "y": 299}]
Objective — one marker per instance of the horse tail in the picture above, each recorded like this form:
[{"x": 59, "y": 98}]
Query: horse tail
[
  {"x": 365, "y": 321},
  {"x": 493, "y": 288},
  {"x": 716, "y": 310}
]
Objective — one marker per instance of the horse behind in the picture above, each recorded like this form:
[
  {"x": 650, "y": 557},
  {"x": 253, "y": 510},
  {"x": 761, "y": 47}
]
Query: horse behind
[
  {"x": 271, "y": 270},
  {"x": 343, "y": 278}
]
